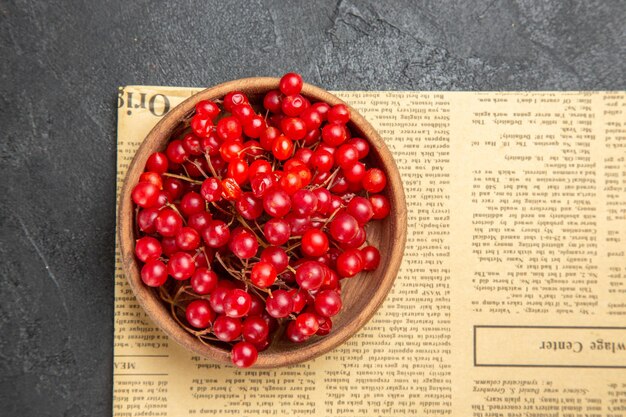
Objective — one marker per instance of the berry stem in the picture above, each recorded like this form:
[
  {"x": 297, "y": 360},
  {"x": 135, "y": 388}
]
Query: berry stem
[{"x": 181, "y": 177}]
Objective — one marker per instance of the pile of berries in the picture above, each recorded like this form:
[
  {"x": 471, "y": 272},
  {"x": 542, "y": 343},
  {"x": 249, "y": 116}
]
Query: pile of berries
[{"x": 257, "y": 212}]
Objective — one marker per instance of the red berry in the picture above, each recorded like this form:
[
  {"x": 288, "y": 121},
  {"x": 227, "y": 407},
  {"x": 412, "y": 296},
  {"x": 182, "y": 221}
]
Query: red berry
[
  {"x": 199, "y": 221},
  {"x": 157, "y": 162},
  {"x": 380, "y": 205},
  {"x": 243, "y": 243},
  {"x": 154, "y": 273},
  {"x": 226, "y": 328},
  {"x": 314, "y": 243},
  {"x": 282, "y": 148},
  {"x": 371, "y": 258},
  {"x": 294, "y": 334},
  {"x": 216, "y": 234},
  {"x": 349, "y": 263},
  {"x": 339, "y": 113},
  {"x": 344, "y": 227},
  {"x": 211, "y": 189},
  {"x": 181, "y": 266},
  {"x": 203, "y": 281},
  {"x": 334, "y": 134},
  {"x": 199, "y": 314},
  {"x": 187, "y": 239},
  {"x": 361, "y": 209},
  {"x": 145, "y": 194},
  {"x": 276, "y": 256},
  {"x": 293, "y": 105},
  {"x": 263, "y": 274},
  {"x": 294, "y": 128},
  {"x": 237, "y": 303},
  {"x": 234, "y": 98},
  {"x": 374, "y": 180},
  {"x": 307, "y": 324},
  {"x": 310, "y": 275},
  {"x": 279, "y": 304},
  {"x": 243, "y": 354},
  {"x": 207, "y": 108},
  {"x": 229, "y": 128},
  {"x": 322, "y": 109},
  {"x": 255, "y": 330},
  {"x": 191, "y": 203},
  {"x": 168, "y": 222},
  {"x": 201, "y": 125},
  {"x": 328, "y": 303},
  {"x": 276, "y": 202},
  {"x": 272, "y": 101},
  {"x": 290, "y": 83},
  {"x": 176, "y": 151}
]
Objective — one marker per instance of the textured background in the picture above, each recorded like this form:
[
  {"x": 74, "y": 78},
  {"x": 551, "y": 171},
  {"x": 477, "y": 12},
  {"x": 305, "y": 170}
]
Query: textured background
[{"x": 62, "y": 61}]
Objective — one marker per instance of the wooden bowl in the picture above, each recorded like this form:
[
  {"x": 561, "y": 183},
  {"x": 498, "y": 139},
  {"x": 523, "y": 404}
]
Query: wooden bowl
[{"x": 362, "y": 295}]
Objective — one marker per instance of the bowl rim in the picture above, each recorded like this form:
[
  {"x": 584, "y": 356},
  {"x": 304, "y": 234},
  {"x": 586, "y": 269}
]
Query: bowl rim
[{"x": 153, "y": 306}]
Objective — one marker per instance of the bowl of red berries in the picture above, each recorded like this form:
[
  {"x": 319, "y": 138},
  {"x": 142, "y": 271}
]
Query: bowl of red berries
[{"x": 262, "y": 222}]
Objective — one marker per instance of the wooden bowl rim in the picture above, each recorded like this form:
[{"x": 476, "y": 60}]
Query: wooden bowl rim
[{"x": 153, "y": 306}]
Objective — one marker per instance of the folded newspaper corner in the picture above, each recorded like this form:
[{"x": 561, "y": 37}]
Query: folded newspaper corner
[{"x": 511, "y": 299}]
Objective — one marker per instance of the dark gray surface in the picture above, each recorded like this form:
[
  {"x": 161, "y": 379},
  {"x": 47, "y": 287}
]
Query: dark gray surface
[{"x": 61, "y": 64}]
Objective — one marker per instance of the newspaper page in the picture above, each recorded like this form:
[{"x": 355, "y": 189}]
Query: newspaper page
[{"x": 511, "y": 298}]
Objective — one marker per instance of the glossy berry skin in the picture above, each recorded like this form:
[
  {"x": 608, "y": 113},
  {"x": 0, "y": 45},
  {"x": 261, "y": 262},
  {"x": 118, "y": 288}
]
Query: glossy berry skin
[
  {"x": 147, "y": 248},
  {"x": 187, "y": 239},
  {"x": 290, "y": 83},
  {"x": 349, "y": 263},
  {"x": 249, "y": 206},
  {"x": 243, "y": 243},
  {"x": 201, "y": 125},
  {"x": 216, "y": 234},
  {"x": 211, "y": 190},
  {"x": 310, "y": 275},
  {"x": 233, "y": 99},
  {"x": 191, "y": 203},
  {"x": 294, "y": 128},
  {"x": 168, "y": 222},
  {"x": 176, "y": 152},
  {"x": 237, "y": 303},
  {"x": 282, "y": 148},
  {"x": 199, "y": 221},
  {"x": 255, "y": 330},
  {"x": 229, "y": 128},
  {"x": 380, "y": 206},
  {"x": 304, "y": 203},
  {"x": 207, "y": 108},
  {"x": 293, "y": 333},
  {"x": 279, "y": 304},
  {"x": 244, "y": 354},
  {"x": 145, "y": 194},
  {"x": 339, "y": 113},
  {"x": 293, "y": 105},
  {"x": 272, "y": 101},
  {"x": 314, "y": 243},
  {"x": 374, "y": 180},
  {"x": 277, "y": 231},
  {"x": 157, "y": 162},
  {"x": 154, "y": 273},
  {"x": 361, "y": 209},
  {"x": 263, "y": 274},
  {"x": 181, "y": 266},
  {"x": 276, "y": 256},
  {"x": 203, "y": 281},
  {"x": 334, "y": 134},
  {"x": 226, "y": 328},
  {"x": 276, "y": 202},
  {"x": 371, "y": 258},
  {"x": 327, "y": 303},
  {"x": 344, "y": 227},
  {"x": 199, "y": 314},
  {"x": 307, "y": 324}
]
